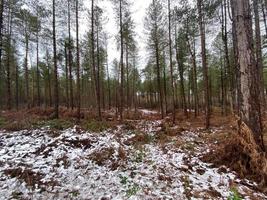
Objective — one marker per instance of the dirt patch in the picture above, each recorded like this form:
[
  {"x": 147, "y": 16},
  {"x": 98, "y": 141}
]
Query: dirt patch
[
  {"x": 79, "y": 143},
  {"x": 102, "y": 156},
  {"x": 139, "y": 139},
  {"x": 31, "y": 178}
]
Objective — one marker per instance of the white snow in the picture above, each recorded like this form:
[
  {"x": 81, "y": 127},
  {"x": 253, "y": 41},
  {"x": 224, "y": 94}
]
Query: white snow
[{"x": 149, "y": 171}]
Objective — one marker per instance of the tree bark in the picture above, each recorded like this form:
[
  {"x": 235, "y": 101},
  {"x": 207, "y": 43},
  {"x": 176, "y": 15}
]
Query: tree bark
[
  {"x": 250, "y": 106},
  {"x": 181, "y": 75},
  {"x": 26, "y": 71},
  {"x": 97, "y": 92},
  {"x": 66, "y": 75},
  {"x": 8, "y": 71},
  {"x": 1, "y": 30},
  {"x": 204, "y": 62},
  {"x": 78, "y": 62},
  {"x": 70, "y": 58},
  {"x": 171, "y": 65},
  {"x": 98, "y": 69},
  {"x": 37, "y": 68},
  {"x": 17, "y": 87},
  {"x": 56, "y": 95},
  {"x": 122, "y": 65},
  {"x": 258, "y": 47}
]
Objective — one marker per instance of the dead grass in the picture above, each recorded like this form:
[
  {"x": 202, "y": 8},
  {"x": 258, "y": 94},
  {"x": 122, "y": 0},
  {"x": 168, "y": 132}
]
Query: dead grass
[
  {"x": 28, "y": 176},
  {"x": 240, "y": 153},
  {"x": 103, "y": 157}
]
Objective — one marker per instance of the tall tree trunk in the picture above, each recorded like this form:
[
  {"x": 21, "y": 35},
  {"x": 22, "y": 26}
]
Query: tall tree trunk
[
  {"x": 70, "y": 58},
  {"x": 122, "y": 65},
  {"x": 236, "y": 63},
  {"x": 109, "y": 90},
  {"x": 222, "y": 60},
  {"x": 204, "y": 62},
  {"x": 1, "y": 31},
  {"x": 78, "y": 62},
  {"x": 192, "y": 51},
  {"x": 49, "y": 79},
  {"x": 258, "y": 47},
  {"x": 98, "y": 68},
  {"x": 8, "y": 71},
  {"x": 250, "y": 82},
  {"x": 264, "y": 17},
  {"x": 157, "y": 56},
  {"x": 37, "y": 69},
  {"x": 134, "y": 85},
  {"x": 181, "y": 74},
  {"x": 56, "y": 95},
  {"x": 17, "y": 87},
  {"x": 66, "y": 75},
  {"x": 226, "y": 54},
  {"x": 127, "y": 78},
  {"x": 171, "y": 65},
  {"x": 97, "y": 92},
  {"x": 165, "y": 84},
  {"x": 26, "y": 71}
]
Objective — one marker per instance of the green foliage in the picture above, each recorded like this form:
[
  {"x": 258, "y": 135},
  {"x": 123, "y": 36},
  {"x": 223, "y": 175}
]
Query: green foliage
[
  {"x": 132, "y": 190},
  {"x": 2, "y": 121},
  {"x": 234, "y": 195},
  {"x": 139, "y": 157},
  {"x": 56, "y": 124},
  {"x": 75, "y": 193},
  {"x": 123, "y": 179},
  {"x": 96, "y": 126}
]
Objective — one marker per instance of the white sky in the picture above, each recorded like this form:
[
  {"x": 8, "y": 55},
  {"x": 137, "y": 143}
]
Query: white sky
[{"x": 138, "y": 9}]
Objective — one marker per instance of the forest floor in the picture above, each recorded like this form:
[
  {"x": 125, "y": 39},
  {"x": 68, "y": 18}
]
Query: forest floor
[{"x": 144, "y": 158}]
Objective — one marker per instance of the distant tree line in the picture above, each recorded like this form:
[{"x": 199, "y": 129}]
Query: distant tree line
[{"x": 203, "y": 55}]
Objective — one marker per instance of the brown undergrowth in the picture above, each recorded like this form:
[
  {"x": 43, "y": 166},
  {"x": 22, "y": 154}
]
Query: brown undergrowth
[
  {"x": 31, "y": 178},
  {"x": 240, "y": 153}
]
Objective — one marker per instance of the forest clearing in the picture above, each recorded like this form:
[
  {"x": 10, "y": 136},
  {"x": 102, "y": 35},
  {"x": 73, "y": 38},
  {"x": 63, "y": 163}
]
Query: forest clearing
[
  {"x": 133, "y": 99},
  {"x": 139, "y": 159}
]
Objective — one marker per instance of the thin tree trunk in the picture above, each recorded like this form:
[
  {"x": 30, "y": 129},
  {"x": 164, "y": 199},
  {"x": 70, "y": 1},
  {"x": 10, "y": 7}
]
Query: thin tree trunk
[
  {"x": 127, "y": 79},
  {"x": 222, "y": 59},
  {"x": 49, "y": 80},
  {"x": 157, "y": 56},
  {"x": 37, "y": 69},
  {"x": 26, "y": 71},
  {"x": 70, "y": 59},
  {"x": 98, "y": 69},
  {"x": 181, "y": 74},
  {"x": 1, "y": 31},
  {"x": 204, "y": 62},
  {"x": 17, "y": 87},
  {"x": 171, "y": 65},
  {"x": 9, "y": 106},
  {"x": 93, "y": 61},
  {"x": 236, "y": 63},
  {"x": 56, "y": 91},
  {"x": 109, "y": 90},
  {"x": 258, "y": 50},
  {"x": 228, "y": 66},
  {"x": 196, "y": 100},
  {"x": 264, "y": 18},
  {"x": 78, "y": 62},
  {"x": 66, "y": 75},
  {"x": 165, "y": 85},
  {"x": 122, "y": 65}
]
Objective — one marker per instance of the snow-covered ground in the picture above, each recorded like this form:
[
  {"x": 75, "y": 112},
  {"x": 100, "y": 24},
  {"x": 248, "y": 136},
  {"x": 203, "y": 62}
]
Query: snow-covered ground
[{"x": 72, "y": 164}]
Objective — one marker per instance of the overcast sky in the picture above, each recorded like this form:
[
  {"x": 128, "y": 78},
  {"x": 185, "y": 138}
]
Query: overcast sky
[{"x": 138, "y": 9}]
